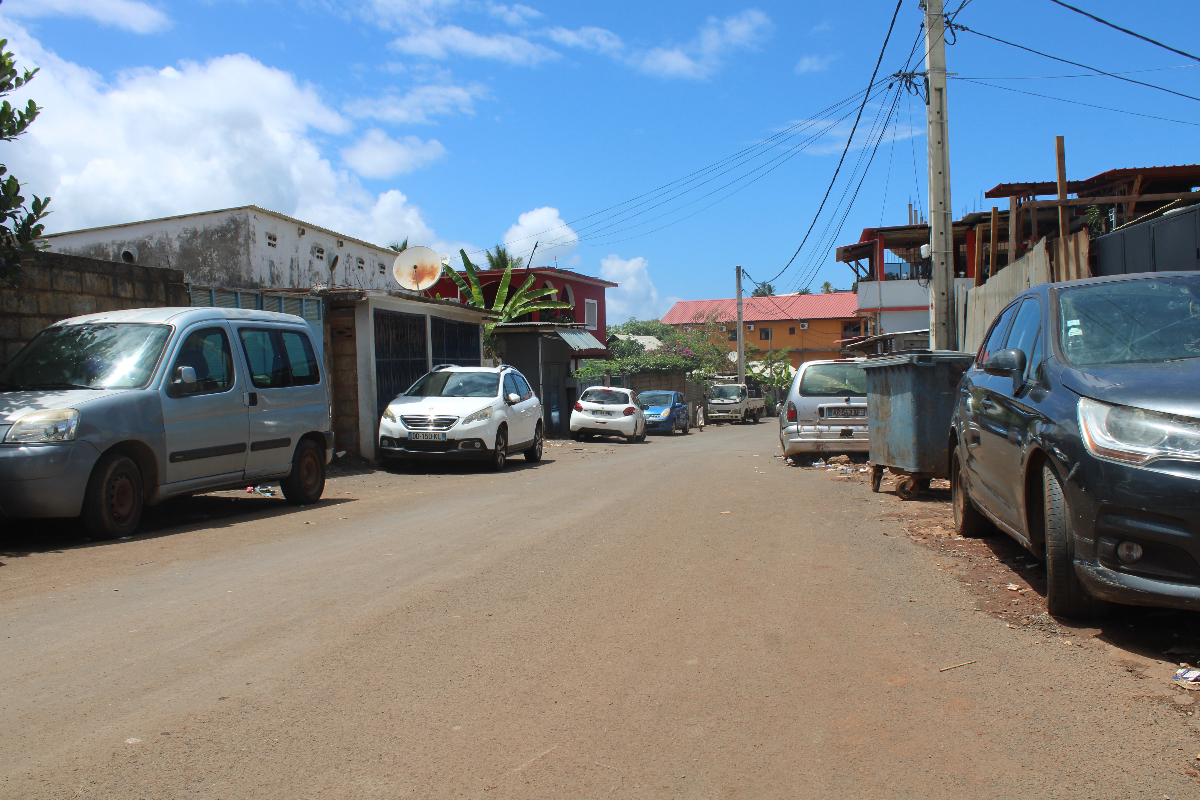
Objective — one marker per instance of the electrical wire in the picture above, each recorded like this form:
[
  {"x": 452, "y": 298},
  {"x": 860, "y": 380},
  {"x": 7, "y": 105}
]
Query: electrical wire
[
  {"x": 1077, "y": 64},
  {"x": 1084, "y": 75},
  {"x": 849, "y": 139},
  {"x": 1125, "y": 30},
  {"x": 1079, "y": 103}
]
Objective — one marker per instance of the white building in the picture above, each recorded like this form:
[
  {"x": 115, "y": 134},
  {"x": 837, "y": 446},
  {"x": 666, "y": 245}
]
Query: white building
[{"x": 239, "y": 248}]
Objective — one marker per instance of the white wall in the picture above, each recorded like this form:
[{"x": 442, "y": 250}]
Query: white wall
[{"x": 907, "y": 300}]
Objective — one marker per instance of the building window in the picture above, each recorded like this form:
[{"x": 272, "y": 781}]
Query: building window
[
  {"x": 791, "y": 331},
  {"x": 272, "y": 240},
  {"x": 319, "y": 252},
  {"x": 591, "y": 314},
  {"x": 382, "y": 268},
  {"x": 733, "y": 335},
  {"x": 362, "y": 264},
  {"x": 764, "y": 334},
  {"x": 851, "y": 329}
]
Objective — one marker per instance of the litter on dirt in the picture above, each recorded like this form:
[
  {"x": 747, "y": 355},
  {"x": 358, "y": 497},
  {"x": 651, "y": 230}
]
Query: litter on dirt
[{"x": 956, "y": 666}]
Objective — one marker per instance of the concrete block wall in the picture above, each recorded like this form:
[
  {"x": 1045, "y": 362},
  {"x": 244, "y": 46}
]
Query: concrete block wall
[
  {"x": 343, "y": 378},
  {"x": 57, "y": 286}
]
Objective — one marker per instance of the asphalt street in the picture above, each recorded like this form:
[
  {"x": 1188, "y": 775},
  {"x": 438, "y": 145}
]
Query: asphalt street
[{"x": 682, "y": 618}]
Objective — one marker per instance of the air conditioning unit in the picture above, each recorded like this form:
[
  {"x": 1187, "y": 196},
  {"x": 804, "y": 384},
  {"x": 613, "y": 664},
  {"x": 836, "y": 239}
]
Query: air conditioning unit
[
  {"x": 723, "y": 328},
  {"x": 803, "y": 326},
  {"x": 749, "y": 327}
]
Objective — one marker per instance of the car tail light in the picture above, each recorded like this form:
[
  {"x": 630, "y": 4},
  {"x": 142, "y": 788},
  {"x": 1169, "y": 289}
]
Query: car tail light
[
  {"x": 629, "y": 411},
  {"x": 578, "y": 407},
  {"x": 791, "y": 412}
]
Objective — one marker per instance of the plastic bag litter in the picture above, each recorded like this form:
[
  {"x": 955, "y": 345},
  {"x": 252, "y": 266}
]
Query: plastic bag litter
[
  {"x": 1188, "y": 678},
  {"x": 265, "y": 491}
]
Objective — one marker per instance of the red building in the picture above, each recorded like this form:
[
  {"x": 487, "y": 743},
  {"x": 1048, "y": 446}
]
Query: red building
[{"x": 584, "y": 293}]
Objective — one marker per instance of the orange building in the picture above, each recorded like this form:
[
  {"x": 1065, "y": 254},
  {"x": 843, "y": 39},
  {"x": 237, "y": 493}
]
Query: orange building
[{"x": 808, "y": 326}]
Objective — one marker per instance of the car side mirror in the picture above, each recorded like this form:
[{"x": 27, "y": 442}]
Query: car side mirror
[
  {"x": 513, "y": 398},
  {"x": 184, "y": 381},
  {"x": 1007, "y": 362}
]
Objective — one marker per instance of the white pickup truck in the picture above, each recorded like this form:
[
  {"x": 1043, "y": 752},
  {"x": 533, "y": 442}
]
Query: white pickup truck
[{"x": 732, "y": 402}]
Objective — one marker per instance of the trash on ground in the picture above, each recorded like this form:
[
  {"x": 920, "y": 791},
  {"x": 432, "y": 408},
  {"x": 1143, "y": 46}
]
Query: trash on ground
[
  {"x": 340, "y": 453},
  {"x": 726, "y": 512},
  {"x": 1012, "y": 587},
  {"x": 265, "y": 491},
  {"x": 1188, "y": 678},
  {"x": 956, "y": 666}
]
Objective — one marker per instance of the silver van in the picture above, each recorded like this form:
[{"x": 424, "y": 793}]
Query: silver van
[
  {"x": 102, "y": 414},
  {"x": 826, "y": 409}
]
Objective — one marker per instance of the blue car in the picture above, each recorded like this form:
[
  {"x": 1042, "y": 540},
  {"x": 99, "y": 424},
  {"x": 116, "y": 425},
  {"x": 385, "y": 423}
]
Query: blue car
[{"x": 666, "y": 412}]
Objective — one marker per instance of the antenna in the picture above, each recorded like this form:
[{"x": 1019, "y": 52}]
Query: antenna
[{"x": 417, "y": 268}]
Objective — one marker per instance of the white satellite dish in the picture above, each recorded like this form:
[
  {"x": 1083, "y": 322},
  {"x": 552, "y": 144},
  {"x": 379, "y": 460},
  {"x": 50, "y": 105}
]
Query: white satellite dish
[{"x": 417, "y": 268}]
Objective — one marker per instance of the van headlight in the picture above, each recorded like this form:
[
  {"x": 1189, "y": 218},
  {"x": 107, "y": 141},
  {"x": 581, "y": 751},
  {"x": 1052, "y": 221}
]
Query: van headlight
[
  {"x": 1136, "y": 436},
  {"x": 478, "y": 416},
  {"x": 58, "y": 425}
]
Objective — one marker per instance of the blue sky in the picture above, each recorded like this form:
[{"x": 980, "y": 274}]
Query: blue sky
[{"x": 467, "y": 123}]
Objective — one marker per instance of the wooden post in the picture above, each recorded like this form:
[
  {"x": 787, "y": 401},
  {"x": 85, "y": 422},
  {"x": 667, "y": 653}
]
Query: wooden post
[
  {"x": 1060, "y": 154},
  {"x": 1014, "y": 228},
  {"x": 979, "y": 255},
  {"x": 1033, "y": 226},
  {"x": 992, "y": 250},
  {"x": 1135, "y": 191}
]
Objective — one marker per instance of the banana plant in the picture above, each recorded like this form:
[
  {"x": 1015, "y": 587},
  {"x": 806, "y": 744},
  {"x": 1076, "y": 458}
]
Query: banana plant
[{"x": 507, "y": 306}]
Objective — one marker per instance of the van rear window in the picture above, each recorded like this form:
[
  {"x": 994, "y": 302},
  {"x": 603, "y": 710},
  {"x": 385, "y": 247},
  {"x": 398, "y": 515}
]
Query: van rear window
[{"x": 834, "y": 380}]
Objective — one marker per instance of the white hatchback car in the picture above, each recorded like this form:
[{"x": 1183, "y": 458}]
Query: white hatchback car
[
  {"x": 608, "y": 411},
  {"x": 826, "y": 409},
  {"x": 480, "y": 413}
]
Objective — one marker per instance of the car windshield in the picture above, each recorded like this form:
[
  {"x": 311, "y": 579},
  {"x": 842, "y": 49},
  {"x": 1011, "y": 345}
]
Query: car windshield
[
  {"x": 834, "y": 380},
  {"x": 727, "y": 392},
  {"x": 98, "y": 356},
  {"x": 446, "y": 383},
  {"x": 605, "y": 397},
  {"x": 648, "y": 399},
  {"x": 1136, "y": 321}
]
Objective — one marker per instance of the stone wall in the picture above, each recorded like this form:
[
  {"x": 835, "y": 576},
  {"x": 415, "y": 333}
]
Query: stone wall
[
  {"x": 342, "y": 358},
  {"x": 58, "y": 286}
]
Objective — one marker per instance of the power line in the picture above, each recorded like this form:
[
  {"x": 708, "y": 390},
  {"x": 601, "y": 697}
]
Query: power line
[
  {"x": 1076, "y": 63},
  {"x": 1084, "y": 75},
  {"x": 1125, "y": 30},
  {"x": 1078, "y": 103},
  {"x": 849, "y": 139}
]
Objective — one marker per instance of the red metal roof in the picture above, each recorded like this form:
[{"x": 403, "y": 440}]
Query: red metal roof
[
  {"x": 1180, "y": 172},
  {"x": 838, "y": 305},
  {"x": 519, "y": 275}
]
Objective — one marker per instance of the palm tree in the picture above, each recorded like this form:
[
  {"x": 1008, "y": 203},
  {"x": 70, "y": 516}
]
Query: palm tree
[
  {"x": 507, "y": 306},
  {"x": 805, "y": 290},
  {"x": 502, "y": 259},
  {"x": 399, "y": 247},
  {"x": 827, "y": 288},
  {"x": 763, "y": 290}
]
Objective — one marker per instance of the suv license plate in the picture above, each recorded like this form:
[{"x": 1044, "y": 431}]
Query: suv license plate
[
  {"x": 603, "y": 413},
  {"x": 845, "y": 412},
  {"x": 427, "y": 437}
]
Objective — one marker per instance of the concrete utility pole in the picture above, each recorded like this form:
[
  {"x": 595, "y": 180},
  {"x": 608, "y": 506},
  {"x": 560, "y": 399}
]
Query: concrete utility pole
[
  {"x": 741, "y": 330},
  {"x": 942, "y": 330}
]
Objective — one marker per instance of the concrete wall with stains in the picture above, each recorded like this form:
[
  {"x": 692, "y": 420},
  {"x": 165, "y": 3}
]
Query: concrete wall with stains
[{"x": 239, "y": 248}]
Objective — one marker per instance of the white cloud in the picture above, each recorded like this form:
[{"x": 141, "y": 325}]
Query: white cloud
[
  {"x": 376, "y": 155},
  {"x": 543, "y": 226},
  {"x": 447, "y": 40},
  {"x": 419, "y": 104},
  {"x": 704, "y": 55},
  {"x": 587, "y": 38},
  {"x": 813, "y": 64},
  {"x": 515, "y": 15},
  {"x": 637, "y": 295},
  {"x": 131, "y": 15},
  {"x": 228, "y": 132},
  {"x": 406, "y": 13}
]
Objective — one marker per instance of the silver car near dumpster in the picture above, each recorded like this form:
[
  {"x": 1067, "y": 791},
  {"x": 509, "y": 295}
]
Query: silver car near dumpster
[
  {"x": 826, "y": 409},
  {"x": 105, "y": 413}
]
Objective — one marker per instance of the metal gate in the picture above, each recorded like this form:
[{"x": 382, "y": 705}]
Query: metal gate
[
  {"x": 455, "y": 342},
  {"x": 399, "y": 354}
]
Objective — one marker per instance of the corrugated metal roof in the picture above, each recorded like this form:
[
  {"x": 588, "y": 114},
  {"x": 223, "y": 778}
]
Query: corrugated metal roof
[
  {"x": 838, "y": 305},
  {"x": 580, "y": 340}
]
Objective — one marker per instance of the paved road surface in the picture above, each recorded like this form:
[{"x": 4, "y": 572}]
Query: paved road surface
[{"x": 683, "y": 618}]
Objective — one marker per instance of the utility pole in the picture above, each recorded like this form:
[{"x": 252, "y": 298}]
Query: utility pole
[
  {"x": 942, "y": 329},
  {"x": 741, "y": 330}
]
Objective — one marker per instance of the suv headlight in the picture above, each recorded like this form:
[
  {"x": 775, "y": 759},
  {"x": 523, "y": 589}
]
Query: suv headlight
[
  {"x": 1136, "y": 436},
  {"x": 58, "y": 425},
  {"x": 478, "y": 416},
  {"x": 389, "y": 415}
]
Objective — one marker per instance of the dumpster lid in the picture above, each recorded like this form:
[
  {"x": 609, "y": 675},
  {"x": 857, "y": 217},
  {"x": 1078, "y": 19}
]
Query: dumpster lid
[{"x": 920, "y": 358}]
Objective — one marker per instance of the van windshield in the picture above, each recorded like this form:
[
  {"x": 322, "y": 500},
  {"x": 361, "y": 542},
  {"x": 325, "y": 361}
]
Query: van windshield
[
  {"x": 834, "y": 380},
  {"x": 445, "y": 383},
  {"x": 99, "y": 356},
  {"x": 726, "y": 392}
]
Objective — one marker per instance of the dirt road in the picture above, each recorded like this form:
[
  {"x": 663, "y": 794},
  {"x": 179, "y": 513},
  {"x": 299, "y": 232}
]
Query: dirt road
[{"x": 682, "y": 618}]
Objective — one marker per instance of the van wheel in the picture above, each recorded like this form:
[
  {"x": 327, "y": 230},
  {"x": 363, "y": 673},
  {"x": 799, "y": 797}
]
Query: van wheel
[
  {"x": 112, "y": 504},
  {"x": 306, "y": 482},
  {"x": 1065, "y": 593},
  {"x": 968, "y": 521},
  {"x": 534, "y": 454}
]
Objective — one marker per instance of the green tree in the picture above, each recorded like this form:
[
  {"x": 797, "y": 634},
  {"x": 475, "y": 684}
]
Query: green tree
[
  {"x": 507, "y": 305},
  {"x": 827, "y": 288},
  {"x": 503, "y": 260},
  {"x": 399, "y": 247},
  {"x": 805, "y": 290},
  {"x": 763, "y": 290},
  {"x": 20, "y": 227},
  {"x": 644, "y": 327}
]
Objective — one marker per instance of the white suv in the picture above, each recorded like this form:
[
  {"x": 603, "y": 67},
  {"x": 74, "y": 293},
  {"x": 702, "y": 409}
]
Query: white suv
[{"x": 483, "y": 413}]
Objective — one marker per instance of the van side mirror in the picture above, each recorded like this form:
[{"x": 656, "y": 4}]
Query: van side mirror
[
  {"x": 184, "y": 381},
  {"x": 513, "y": 398}
]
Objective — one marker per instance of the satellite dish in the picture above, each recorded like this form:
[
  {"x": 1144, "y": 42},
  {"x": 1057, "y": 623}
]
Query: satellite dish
[{"x": 417, "y": 268}]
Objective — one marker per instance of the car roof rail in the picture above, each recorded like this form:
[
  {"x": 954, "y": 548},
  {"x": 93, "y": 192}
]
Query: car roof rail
[
  {"x": 440, "y": 367},
  {"x": 508, "y": 366}
]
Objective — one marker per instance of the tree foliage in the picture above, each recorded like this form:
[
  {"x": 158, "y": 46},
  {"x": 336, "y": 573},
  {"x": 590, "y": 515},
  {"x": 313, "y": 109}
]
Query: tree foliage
[
  {"x": 502, "y": 259},
  {"x": 508, "y": 305},
  {"x": 693, "y": 349},
  {"x": 763, "y": 290},
  {"x": 827, "y": 288},
  {"x": 20, "y": 226},
  {"x": 399, "y": 247}
]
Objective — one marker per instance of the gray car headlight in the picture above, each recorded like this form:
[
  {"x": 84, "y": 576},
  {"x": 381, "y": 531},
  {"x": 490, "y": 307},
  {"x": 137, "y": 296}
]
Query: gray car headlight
[
  {"x": 1136, "y": 436},
  {"x": 478, "y": 416},
  {"x": 58, "y": 425}
]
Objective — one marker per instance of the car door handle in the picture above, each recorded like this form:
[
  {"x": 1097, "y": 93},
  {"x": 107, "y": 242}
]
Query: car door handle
[
  {"x": 251, "y": 399},
  {"x": 986, "y": 403}
]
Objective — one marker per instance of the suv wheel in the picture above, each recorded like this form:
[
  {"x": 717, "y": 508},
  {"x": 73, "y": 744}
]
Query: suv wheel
[
  {"x": 1065, "y": 594},
  {"x": 534, "y": 453},
  {"x": 500, "y": 454},
  {"x": 968, "y": 521},
  {"x": 306, "y": 482},
  {"x": 112, "y": 504}
]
